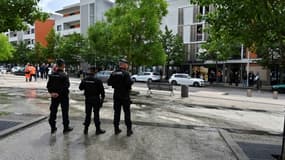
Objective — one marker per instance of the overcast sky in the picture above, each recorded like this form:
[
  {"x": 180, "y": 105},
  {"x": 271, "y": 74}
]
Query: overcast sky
[{"x": 54, "y": 5}]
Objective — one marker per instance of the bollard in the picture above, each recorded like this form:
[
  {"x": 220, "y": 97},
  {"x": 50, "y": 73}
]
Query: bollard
[
  {"x": 275, "y": 94},
  {"x": 184, "y": 91},
  {"x": 249, "y": 93}
]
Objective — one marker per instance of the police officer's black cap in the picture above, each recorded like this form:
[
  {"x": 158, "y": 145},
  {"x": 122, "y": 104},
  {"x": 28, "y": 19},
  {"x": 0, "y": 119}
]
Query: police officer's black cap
[
  {"x": 123, "y": 61},
  {"x": 60, "y": 62}
]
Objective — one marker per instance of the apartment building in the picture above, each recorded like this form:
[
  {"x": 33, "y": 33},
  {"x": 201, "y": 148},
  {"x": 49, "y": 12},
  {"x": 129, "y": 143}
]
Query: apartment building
[
  {"x": 93, "y": 11},
  {"x": 70, "y": 21},
  {"x": 182, "y": 20},
  {"x": 34, "y": 33}
]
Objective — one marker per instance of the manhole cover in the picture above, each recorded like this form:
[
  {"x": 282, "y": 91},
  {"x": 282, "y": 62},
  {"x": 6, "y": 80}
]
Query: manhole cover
[
  {"x": 7, "y": 124},
  {"x": 256, "y": 151}
]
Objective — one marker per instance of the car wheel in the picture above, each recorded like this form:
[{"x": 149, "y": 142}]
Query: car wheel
[
  {"x": 134, "y": 80},
  {"x": 196, "y": 84},
  {"x": 149, "y": 80},
  {"x": 173, "y": 82}
]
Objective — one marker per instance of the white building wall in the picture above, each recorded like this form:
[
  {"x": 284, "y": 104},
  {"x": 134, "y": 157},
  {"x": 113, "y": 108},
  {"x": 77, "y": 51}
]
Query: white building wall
[
  {"x": 171, "y": 19},
  {"x": 92, "y": 11}
]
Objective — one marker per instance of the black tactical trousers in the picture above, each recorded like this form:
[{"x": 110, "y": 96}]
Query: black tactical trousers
[
  {"x": 118, "y": 103},
  {"x": 89, "y": 105},
  {"x": 64, "y": 102}
]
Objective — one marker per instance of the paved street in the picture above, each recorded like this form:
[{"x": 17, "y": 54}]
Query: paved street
[{"x": 212, "y": 123}]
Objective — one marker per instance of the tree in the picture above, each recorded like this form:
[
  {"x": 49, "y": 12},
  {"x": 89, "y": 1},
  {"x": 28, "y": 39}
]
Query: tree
[
  {"x": 173, "y": 48},
  {"x": 14, "y": 14},
  {"x": 22, "y": 53},
  {"x": 135, "y": 27},
  {"x": 6, "y": 48},
  {"x": 52, "y": 44},
  {"x": 101, "y": 50},
  {"x": 259, "y": 25},
  {"x": 71, "y": 48}
]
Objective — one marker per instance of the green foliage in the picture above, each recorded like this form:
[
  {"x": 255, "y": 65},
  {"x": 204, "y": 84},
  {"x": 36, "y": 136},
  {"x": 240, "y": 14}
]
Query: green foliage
[
  {"x": 100, "y": 41},
  {"x": 15, "y": 13},
  {"x": 135, "y": 27},
  {"x": 173, "y": 47},
  {"x": 22, "y": 53},
  {"x": 6, "y": 48},
  {"x": 257, "y": 24},
  {"x": 71, "y": 48},
  {"x": 52, "y": 43}
]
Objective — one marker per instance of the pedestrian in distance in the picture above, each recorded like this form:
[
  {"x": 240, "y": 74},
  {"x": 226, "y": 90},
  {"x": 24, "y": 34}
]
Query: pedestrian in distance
[
  {"x": 27, "y": 72},
  {"x": 94, "y": 96},
  {"x": 58, "y": 87},
  {"x": 121, "y": 81}
]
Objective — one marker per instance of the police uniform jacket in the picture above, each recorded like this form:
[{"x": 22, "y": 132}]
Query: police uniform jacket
[
  {"x": 92, "y": 87},
  {"x": 121, "y": 81},
  {"x": 58, "y": 83}
]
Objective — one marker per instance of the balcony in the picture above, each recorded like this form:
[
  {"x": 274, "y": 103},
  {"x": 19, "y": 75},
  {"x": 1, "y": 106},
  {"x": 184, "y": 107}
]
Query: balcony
[
  {"x": 69, "y": 19},
  {"x": 69, "y": 31}
]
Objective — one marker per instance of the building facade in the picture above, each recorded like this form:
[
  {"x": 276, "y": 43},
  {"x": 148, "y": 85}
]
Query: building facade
[
  {"x": 92, "y": 11},
  {"x": 34, "y": 33},
  {"x": 69, "y": 23}
]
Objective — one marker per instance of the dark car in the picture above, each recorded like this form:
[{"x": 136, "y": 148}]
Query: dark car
[
  {"x": 20, "y": 72},
  {"x": 279, "y": 87}
]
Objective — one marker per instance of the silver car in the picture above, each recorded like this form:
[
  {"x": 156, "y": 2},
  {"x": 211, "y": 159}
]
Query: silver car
[
  {"x": 103, "y": 75},
  {"x": 185, "y": 79},
  {"x": 146, "y": 77}
]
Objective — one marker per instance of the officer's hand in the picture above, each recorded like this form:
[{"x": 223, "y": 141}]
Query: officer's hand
[{"x": 54, "y": 95}]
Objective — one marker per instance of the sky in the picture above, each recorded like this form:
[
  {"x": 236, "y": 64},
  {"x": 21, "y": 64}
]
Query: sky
[{"x": 54, "y": 5}]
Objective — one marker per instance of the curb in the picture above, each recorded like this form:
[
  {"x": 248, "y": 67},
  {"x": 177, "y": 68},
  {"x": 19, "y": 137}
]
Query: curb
[
  {"x": 16, "y": 128},
  {"x": 234, "y": 147}
]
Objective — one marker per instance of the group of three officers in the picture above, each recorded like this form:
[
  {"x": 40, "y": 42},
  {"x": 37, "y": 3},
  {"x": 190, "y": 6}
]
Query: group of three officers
[{"x": 58, "y": 87}]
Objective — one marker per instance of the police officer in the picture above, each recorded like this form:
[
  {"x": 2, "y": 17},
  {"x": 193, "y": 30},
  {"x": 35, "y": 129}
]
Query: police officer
[
  {"x": 94, "y": 97},
  {"x": 121, "y": 82},
  {"x": 57, "y": 86}
]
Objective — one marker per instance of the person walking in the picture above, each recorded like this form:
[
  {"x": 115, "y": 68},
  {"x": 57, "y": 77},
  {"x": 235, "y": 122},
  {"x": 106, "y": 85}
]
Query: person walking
[
  {"x": 94, "y": 96},
  {"x": 27, "y": 72},
  {"x": 57, "y": 85},
  {"x": 121, "y": 81},
  {"x": 33, "y": 72}
]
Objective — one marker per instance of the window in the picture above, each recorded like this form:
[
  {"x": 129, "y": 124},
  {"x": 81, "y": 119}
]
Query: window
[
  {"x": 146, "y": 73},
  {"x": 58, "y": 27},
  {"x": 32, "y": 30},
  {"x": 92, "y": 13},
  {"x": 199, "y": 32}
]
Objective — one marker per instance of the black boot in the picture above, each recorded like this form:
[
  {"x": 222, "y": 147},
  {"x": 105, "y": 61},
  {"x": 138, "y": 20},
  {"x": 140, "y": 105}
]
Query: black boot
[
  {"x": 67, "y": 129},
  {"x": 85, "y": 130},
  {"x": 129, "y": 132},
  {"x": 53, "y": 130},
  {"x": 117, "y": 130},
  {"x": 100, "y": 131}
]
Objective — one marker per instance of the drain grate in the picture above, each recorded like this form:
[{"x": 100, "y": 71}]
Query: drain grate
[
  {"x": 7, "y": 124},
  {"x": 256, "y": 151}
]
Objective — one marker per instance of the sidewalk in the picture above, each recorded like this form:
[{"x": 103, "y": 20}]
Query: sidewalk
[
  {"x": 207, "y": 125},
  {"x": 149, "y": 142}
]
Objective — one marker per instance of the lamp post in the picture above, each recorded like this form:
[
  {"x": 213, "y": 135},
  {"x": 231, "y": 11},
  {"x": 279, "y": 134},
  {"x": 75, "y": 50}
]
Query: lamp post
[{"x": 247, "y": 68}]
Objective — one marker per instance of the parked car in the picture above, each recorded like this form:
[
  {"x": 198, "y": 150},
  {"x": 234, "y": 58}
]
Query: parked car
[
  {"x": 15, "y": 68},
  {"x": 20, "y": 72},
  {"x": 279, "y": 87},
  {"x": 3, "y": 69},
  {"x": 103, "y": 75},
  {"x": 185, "y": 79},
  {"x": 146, "y": 77}
]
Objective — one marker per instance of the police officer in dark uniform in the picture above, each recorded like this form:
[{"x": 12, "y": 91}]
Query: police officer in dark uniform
[
  {"x": 57, "y": 86},
  {"x": 121, "y": 81},
  {"x": 94, "y": 97}
]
